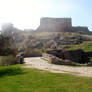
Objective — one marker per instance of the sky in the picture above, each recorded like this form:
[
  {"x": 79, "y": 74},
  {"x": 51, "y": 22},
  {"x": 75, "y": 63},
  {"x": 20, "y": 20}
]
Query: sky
[{"x": 26, "y": 14}]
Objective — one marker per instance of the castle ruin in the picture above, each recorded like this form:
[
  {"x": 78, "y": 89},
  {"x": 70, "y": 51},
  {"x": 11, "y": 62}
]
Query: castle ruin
[
  {"x": 55, "y": 24},
  {"x": 60, "y": 25}
]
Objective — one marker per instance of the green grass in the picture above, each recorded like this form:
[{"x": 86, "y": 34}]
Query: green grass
[
  {"x": 16, "y": 79},
  {"x": 86, "y": 46}
]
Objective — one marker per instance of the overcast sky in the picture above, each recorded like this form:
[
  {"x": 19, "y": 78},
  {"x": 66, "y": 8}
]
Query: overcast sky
[{"x": 26, "y": 13}]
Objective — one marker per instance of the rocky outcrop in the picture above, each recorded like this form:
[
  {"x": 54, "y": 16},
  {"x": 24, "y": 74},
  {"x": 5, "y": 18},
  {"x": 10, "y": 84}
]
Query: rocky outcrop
[
  {"x": 56, "y": 60},
  {"x": 70, "y": 57},
  {"x": 81, "y": 30}
]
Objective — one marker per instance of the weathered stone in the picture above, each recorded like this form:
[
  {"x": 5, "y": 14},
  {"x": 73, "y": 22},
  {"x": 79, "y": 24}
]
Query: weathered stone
[
  {"x": 68, "y": 57},
  {"x": 60, "y": 25},
  {"x": 55, "y": 24},
  {"x": 56, "y": 60},
  {"x": 78, "y": 56},
  {"x": 90, "y": 63}
]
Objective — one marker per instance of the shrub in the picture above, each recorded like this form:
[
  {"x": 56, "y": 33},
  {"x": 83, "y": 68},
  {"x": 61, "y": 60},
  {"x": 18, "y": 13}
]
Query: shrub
[
  {"x": 32, "y": 53},
  {"x": 8, "y": 60}
]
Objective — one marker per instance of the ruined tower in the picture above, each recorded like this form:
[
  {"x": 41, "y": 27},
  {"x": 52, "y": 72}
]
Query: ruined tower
[{"x": 55, "y": 24}]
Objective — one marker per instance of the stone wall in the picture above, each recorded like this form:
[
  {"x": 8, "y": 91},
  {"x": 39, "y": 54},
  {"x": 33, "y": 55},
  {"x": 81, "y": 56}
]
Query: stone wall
[{"x": 55, "y": 24}]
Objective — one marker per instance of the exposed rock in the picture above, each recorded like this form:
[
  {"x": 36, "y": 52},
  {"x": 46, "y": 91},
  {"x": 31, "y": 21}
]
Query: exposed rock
[
  {"x": 71, "y": 57},
  {"x": 81, "y": 30},
  {"x": 90, "y": 63},
  {"x": 56, "y": 60}
]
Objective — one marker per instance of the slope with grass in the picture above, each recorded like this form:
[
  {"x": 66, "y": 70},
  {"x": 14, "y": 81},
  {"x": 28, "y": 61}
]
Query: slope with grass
[
  {"x": 39, "y": 42},
  {"x": 86, "y": 46},
  {"x": 17, "y": 79}
]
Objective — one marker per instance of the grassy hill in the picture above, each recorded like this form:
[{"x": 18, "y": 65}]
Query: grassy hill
[
  {"x": 86, "y": 46},
  {"x": 38, "y": 42}
]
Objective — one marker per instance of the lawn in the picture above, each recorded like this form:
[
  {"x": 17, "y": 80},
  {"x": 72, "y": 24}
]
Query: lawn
[{"x": 17, "y": 79}]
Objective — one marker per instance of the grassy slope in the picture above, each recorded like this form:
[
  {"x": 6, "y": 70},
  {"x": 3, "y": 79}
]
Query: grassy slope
[
  {"x": 86, "y": 46},
  {"x": 15, "y": 79}
]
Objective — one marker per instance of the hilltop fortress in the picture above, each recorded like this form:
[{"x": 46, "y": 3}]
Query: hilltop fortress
[
  {"x": 59, "y": 25},
  {"x": 55, "y": 24}
]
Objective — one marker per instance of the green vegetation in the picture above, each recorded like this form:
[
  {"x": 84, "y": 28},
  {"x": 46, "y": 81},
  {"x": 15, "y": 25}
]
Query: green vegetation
[
  {"x": 86, "y": 46},
  {"x": 8, "y": 51},
  {"x": 33, "y": 53},
  {"x": 17, "y": 79},
  {"x": 8, "y": 60},
  {"x": 34, "y": 43}
]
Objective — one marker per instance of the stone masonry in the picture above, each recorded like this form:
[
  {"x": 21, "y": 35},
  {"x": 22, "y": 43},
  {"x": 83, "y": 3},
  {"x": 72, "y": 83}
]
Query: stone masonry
[
  {"x": 60, "y": 25},
  {"x": 55, "y": 24}
]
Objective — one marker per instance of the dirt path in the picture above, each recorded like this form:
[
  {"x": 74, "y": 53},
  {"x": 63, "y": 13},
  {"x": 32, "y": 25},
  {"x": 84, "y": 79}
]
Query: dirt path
[{"x": 37, "y": 62}]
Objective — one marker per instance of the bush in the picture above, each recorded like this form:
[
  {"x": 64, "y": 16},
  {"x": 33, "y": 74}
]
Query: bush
[
  {"x": 32, "y": 53},
  {"x": 8, "y": 60}
]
